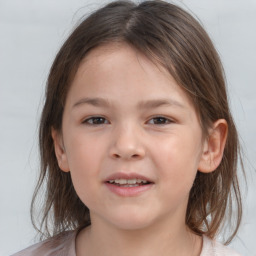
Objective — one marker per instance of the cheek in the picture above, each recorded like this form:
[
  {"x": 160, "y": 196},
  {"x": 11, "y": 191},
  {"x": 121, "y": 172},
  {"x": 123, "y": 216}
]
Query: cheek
[
  {"x": 84, "y": 152},
  {"x": 183, "y": 150},
  {"x": 177, "y": 160},
  {"x": 85, "y": 156}
]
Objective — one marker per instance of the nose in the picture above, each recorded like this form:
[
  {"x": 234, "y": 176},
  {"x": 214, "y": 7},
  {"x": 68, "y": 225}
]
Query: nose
[{"x": 127, "y": 144}]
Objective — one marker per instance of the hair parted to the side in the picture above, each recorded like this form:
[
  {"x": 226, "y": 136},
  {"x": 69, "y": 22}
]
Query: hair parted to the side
[{"x": 168, "y": 36}]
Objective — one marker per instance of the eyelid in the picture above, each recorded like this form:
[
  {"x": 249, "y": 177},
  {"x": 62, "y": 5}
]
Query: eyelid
[
  {"x": 89, "y": 120},
  {"x": 86, "y": 120},
  {"x": 168, "y": 119}
]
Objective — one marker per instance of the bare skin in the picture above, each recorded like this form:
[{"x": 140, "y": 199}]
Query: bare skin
[
  {"x": 125, "y": 116},
  {"x": 151, "y": 242}
]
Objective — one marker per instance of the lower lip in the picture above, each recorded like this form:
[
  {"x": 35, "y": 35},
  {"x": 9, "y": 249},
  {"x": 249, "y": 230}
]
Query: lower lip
[{"x": 128, "y": 191}]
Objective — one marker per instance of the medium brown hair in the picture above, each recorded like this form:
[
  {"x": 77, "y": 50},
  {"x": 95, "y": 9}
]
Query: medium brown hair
[{"x": 168, "y": 36}]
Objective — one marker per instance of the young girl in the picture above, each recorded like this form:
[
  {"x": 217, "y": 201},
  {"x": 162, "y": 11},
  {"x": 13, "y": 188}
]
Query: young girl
[{"x": 138, "y": 147}]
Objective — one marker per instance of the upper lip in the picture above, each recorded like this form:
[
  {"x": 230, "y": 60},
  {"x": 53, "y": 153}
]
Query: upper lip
[{"x": 127, "y": 176}]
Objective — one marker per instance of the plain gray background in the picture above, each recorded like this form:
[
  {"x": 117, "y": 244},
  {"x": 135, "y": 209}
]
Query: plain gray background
[{"x": 31, "y": 33}]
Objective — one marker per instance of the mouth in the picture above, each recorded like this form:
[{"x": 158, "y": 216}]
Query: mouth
[
  {"x": 128, "y": 185},
  {"x": 129, "y": 182}
]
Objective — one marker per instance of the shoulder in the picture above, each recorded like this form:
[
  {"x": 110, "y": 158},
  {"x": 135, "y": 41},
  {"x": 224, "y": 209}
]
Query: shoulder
[
  {"x": 60, "y": 245},
  {"x": 214, "y": 248}
]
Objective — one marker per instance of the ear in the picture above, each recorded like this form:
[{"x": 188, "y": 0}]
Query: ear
[
  {"x": 60, "y": 150},
  {"x": 214, "y": 147}
]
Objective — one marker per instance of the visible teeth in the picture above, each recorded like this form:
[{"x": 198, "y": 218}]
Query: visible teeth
[
  {"x": 133, "y": 181},
  {"x": 129, "y": 185},
  {"x": 128, "y": 181},
  {"x": 121, "y": 181}
]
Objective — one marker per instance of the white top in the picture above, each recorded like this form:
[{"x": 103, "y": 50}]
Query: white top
[
  {"x": 213, "y": 248},
  {"x": 64, "y": 245}
]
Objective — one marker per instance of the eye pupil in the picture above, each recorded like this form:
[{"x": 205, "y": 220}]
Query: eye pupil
[
  {"x": 101, "y": 120},
  {"x": 98, "y": 120},
  {"x": 160, "y": 120}
]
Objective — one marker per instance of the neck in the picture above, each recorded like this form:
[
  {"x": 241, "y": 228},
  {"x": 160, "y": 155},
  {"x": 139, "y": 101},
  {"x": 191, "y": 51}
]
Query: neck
[{"x": 156, "y": 240}]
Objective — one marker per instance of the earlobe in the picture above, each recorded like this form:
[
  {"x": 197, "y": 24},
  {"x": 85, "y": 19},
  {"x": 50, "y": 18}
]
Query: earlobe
[
  {"x": 60, "y": 151},
  {"x": 214, "y": 146}
]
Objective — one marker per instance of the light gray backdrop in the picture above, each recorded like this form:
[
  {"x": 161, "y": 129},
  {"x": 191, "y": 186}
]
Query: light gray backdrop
[{"x": 31, "y": 32}]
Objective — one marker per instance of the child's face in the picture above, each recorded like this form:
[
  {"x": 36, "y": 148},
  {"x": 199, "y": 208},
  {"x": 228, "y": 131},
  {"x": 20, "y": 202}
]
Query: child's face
[{"x": 127, "y": 118}]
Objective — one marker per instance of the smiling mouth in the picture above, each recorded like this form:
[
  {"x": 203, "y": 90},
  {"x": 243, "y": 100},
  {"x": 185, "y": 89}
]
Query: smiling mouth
[{"x": 129, "y": 182}]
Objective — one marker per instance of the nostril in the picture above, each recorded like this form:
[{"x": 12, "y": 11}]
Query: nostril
[
  {"x": 134, "y": 156},
  {"x": 127, "y": 152}
]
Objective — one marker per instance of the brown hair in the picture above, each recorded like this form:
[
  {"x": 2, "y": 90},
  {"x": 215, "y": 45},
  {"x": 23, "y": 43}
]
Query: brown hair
[{"x": 168, "y": 35}]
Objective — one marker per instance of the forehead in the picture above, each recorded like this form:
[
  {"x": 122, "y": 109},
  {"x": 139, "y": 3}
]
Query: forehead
[
  {"x": 113, "y": 63},
  {"x": 118, "y": 52},
  {"x": 109, "y": 60}
]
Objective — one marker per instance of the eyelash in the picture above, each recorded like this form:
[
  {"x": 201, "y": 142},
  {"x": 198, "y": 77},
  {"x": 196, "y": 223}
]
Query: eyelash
[
  {"x": 91, "y": 120},
  {"x": 99, "y": 120},
  {"x": 163, "y": 120}
]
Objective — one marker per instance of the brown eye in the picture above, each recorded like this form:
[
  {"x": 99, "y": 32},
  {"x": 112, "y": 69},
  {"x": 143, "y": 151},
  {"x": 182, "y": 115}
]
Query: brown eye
[
  {"x": 159, "y": 120},
  {"x": 96, "y": 120}
]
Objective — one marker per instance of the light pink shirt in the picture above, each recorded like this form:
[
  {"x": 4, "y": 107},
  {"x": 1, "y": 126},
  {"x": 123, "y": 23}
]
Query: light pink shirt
[{"x": 64, "y": 245}]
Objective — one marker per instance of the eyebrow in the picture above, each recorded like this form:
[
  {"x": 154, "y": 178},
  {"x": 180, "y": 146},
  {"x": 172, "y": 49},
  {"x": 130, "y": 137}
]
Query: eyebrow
[
  {"x": 147, "y": 104},
  {"x": 97, "y": 102},
  {"x": 159, "y": 102}
]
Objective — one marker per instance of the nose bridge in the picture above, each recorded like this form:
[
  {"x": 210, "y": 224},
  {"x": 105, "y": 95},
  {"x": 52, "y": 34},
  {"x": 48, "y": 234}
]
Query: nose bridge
[{"x": 127, "y": 141}]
